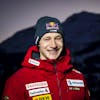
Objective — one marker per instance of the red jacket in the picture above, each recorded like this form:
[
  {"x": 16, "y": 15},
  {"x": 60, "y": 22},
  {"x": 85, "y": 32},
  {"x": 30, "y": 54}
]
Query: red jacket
[{"x": 46, "y": 80}]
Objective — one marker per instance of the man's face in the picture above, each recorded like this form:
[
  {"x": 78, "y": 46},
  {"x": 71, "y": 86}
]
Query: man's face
[{"x": 50, "y": 46}]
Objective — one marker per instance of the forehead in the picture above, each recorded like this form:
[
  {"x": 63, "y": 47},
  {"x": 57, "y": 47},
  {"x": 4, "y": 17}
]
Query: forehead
[{"x": 51, "y": 35}]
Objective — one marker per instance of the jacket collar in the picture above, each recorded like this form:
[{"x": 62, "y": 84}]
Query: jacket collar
[{"x": 62, "y": 64}]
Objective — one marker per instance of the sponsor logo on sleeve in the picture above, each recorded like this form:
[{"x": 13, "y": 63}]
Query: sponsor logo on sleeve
[{"x": 34, "y": 62}]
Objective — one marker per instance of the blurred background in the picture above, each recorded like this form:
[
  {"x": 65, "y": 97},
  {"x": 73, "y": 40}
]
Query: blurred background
[
  {"x": 19, "y": 14},
  {"x": 80, "y": 20}
]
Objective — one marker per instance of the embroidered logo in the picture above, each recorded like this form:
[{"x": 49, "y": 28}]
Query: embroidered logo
[
  {"x": 74, "y": 88},
  {"x": 52, "y": 25}
]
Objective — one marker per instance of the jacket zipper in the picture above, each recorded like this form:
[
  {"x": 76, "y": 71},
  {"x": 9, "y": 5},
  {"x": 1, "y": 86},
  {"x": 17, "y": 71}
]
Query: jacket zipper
[{"x": 58, "y": 82}]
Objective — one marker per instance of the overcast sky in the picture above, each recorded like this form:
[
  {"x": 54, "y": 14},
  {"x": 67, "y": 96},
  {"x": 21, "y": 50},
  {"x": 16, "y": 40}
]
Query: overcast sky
[{"x": 16, "y": 15}]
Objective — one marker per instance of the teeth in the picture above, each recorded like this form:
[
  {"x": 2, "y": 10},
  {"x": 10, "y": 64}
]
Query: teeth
[{"x": 53, "y": 51}]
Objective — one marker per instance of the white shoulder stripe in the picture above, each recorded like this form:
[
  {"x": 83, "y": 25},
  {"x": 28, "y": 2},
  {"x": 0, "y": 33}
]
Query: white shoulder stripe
[{"x": 76, "y": 71}]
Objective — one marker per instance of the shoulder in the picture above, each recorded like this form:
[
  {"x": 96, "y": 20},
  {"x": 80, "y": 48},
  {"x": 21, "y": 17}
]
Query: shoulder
[
  {"x": 76, "y": 71},
  {"x": 18, "y": 76},
  {"x": 78, "y": 74}
]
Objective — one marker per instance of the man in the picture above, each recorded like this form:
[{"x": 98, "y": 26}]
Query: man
[{"x": 47, "y": 72}]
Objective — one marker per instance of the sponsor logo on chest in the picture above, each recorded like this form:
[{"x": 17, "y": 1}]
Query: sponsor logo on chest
[
  {"x": 43, "y": 97},
  {"x": 75, "y": 82},
  {"x": 37, "y": 88},
  {"x": 36, "y": 85},
  {"x": 39, "y": 91}
]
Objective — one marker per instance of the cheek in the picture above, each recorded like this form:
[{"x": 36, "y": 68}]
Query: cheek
[
  {"x": 43, "y": 45},
  {"x": 60, "y": 44}
]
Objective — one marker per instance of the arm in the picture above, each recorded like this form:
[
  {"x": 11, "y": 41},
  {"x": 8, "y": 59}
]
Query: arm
[{"x": 13, "y": 90}]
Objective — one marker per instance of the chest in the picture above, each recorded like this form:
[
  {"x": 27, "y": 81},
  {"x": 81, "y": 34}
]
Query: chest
[{"x": 54, "y": 86}]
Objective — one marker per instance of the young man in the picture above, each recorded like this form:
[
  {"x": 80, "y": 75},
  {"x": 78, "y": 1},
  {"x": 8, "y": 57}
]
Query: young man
[{"x": 47, "y": 72}]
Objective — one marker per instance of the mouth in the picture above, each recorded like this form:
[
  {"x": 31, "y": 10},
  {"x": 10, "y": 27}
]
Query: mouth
[{"x": 54, "y": 51}]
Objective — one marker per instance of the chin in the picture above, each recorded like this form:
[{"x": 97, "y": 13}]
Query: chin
[{"x": 53, "y": 58}]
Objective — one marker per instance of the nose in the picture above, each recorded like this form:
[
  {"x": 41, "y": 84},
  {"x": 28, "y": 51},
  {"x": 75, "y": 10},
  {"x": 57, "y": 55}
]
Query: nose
[{"x": 53, "y": 43}]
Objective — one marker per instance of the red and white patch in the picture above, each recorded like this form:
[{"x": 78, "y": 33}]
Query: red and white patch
[
  {"x": 36, "y": 85},
  {"x": 75, "y": 82},
  {"x": 39, "y": 91}
]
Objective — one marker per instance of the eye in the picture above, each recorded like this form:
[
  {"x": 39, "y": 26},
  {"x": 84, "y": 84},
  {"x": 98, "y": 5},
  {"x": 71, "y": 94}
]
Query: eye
[
  {"x": 46, "y": 39},
  {"x": 58, "y": 38}
]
